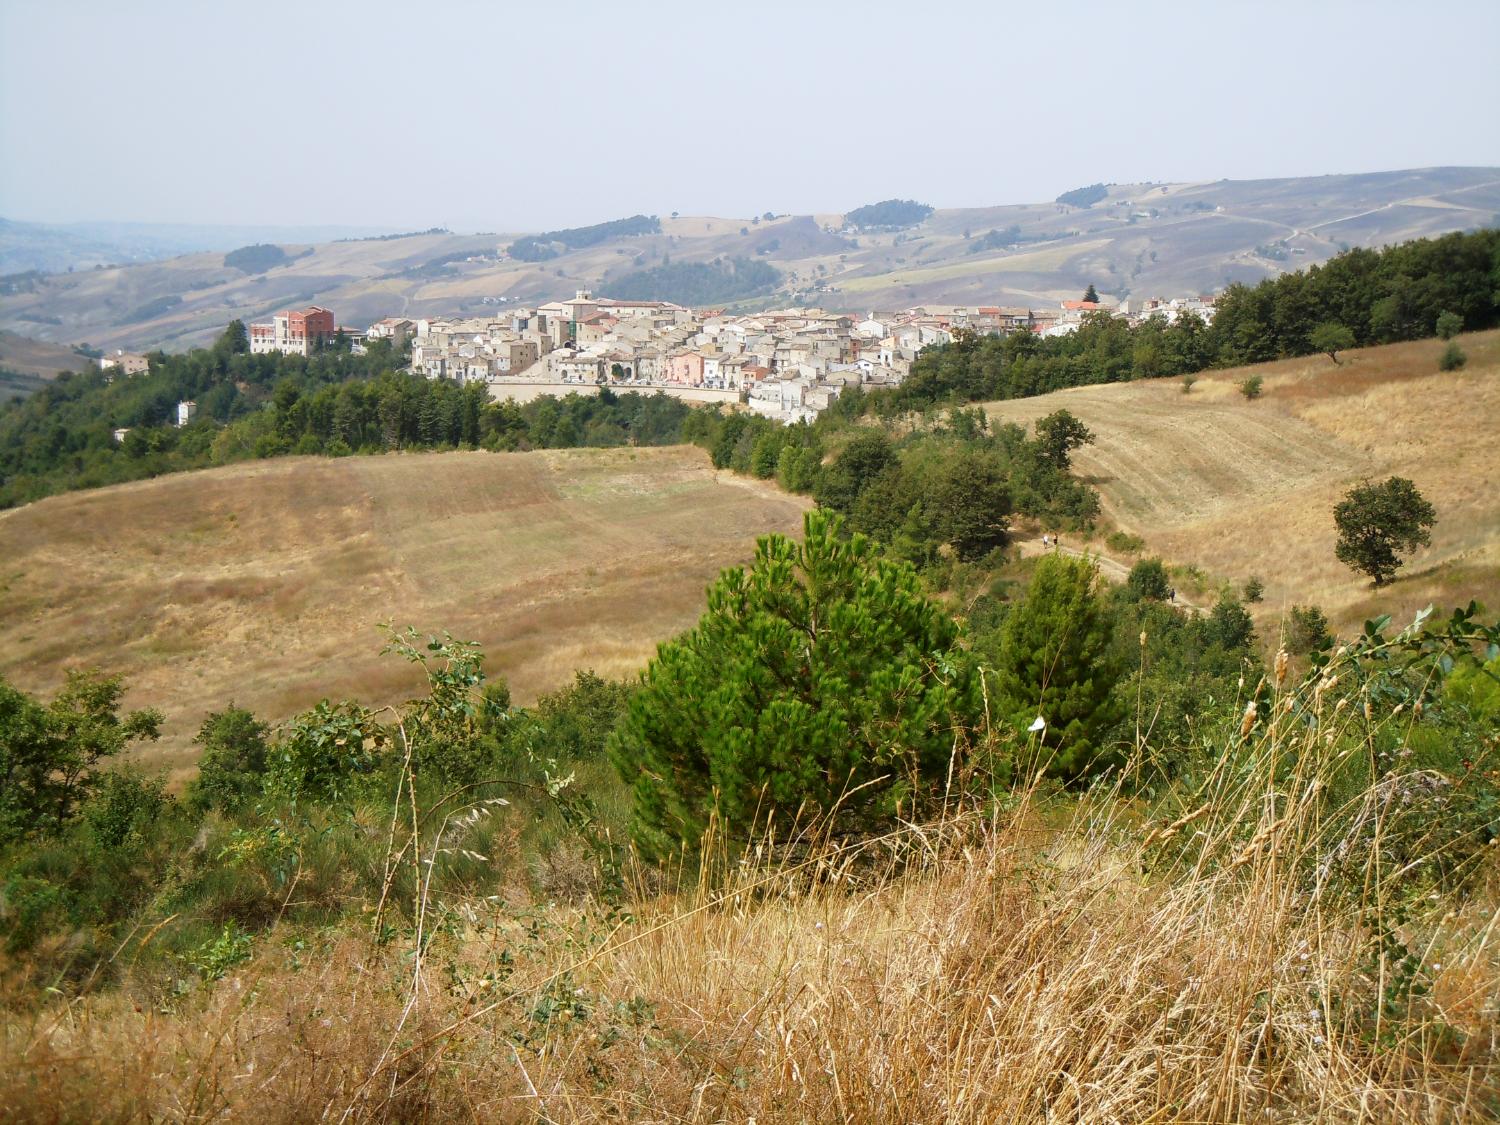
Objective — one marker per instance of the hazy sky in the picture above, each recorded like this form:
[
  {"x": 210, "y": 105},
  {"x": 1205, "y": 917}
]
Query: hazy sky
[{"x": 507, "y": 116}]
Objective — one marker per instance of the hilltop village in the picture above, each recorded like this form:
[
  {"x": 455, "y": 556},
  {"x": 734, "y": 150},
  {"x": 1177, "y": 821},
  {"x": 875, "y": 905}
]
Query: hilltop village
[{"x": 787, "y": 364}]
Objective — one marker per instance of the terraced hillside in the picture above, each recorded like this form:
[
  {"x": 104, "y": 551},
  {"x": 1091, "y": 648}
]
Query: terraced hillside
[
  {"x": 263, "y": 583},
  {"x": 1140, "y": 240},
  {"x": 1240, "y": 487}
]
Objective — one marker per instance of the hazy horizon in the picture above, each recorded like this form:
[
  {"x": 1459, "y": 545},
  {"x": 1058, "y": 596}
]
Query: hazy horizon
[{"x": 496, "y": 117}]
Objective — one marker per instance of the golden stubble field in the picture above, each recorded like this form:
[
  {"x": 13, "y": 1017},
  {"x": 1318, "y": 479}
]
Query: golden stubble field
[
  {"x": 1241, "y": 488},
  {"x": 264, "y": 583}
]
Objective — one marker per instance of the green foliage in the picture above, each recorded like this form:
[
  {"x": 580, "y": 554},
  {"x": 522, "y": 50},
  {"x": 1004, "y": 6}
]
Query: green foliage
[
  {"x": 891, "y": 214},
  {"x": 1091, "y": 294},
  {"x": 1453, "y": 357},
  {"x": 1148, "y": 581},
  {"x": 232, "y": 761},
  {"x": 1056, "y": 661},
  {"x": 230, "y": 947},
  {"x": 867, "y": 455},
  {"x": 1254, "y": 589},
  {"x": 51, "y": 755},
  {"x": 256, "y": 259},
  {"x": 1124, "y": 542},
  {"x": 1307, "y": 630},
  {"x": 1187, "y": 382},
  {"x": 124, "y": 805},
  {"x": 1377, "y": 523},
  {"x": 1396, "y": 293},
  {"x": 1084, "y": 196},
  {"x": 818, "y": 680},
  {"x": 445, "y": 728},
  {"x": 698, "y": 283},
  {"x": 549, "y": 244},
  {"x": 972, "y": 506},
  {"x": 1058, "y": 434},
  {"x": 1449, "y": 325},
  {"x": 1330, "y": 339},
  {"x": 1230, "y": 625},
  {"x": 327, "y": 754},
  {"x": 1251, "y": 387}
]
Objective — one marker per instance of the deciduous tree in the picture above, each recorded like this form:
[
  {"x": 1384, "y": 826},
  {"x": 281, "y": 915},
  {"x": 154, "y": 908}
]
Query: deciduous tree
[{"x": 1377, "y": 523}]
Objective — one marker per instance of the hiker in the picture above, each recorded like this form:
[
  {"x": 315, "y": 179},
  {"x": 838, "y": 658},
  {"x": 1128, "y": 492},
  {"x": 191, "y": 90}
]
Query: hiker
[
  {"x": 1172, "y": 593},
  {"x": 1044, "y": 539}
]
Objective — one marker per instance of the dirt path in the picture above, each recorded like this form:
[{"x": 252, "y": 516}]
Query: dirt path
[{"x": 1117, "y": 572}]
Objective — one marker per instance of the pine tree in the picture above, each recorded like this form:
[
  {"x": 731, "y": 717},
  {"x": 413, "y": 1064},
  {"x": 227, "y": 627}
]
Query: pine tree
[
  {"x": 820, "y": 678},
  {"x": 1056, "y": 662},
  {"x": 1091, "y": 294}
]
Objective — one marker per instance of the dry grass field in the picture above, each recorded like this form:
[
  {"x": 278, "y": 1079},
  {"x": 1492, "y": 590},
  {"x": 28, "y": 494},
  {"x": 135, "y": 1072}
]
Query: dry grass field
[
  {"x": 264, "y": 583},
  {"x": 1241, "y": 488}
]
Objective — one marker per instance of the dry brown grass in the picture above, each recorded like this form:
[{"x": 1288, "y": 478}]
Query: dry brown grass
[
  {"x": 263, "y": 583},
  {"x": 1061, "y": 961},
  {"x": 1242, "y": 488}
]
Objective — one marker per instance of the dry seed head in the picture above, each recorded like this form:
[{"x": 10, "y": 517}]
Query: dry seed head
[
  {"x": 1143, "y": 638},
  {"x": 1249, "y": 720},
  {"x": 1282, "y": 661}
]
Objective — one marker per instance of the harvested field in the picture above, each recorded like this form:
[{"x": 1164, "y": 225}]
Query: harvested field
[
  {"x": 1240, "y": 488},
  {"x": 264, "y": 583}
]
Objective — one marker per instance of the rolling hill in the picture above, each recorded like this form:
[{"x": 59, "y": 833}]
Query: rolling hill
[
  {"x": 1140, "y": 240},
  {"x": 1240, "y": 488},
  {"x": 263, "y": 583}
]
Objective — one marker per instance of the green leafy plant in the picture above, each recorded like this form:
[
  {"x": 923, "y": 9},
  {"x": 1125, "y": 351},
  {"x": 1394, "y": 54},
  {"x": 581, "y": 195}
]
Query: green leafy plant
[{"x": 820, "y": 679}]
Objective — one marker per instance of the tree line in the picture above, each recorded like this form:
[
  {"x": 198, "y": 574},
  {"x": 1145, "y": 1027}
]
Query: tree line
[{"x": 1356, "y": 299}]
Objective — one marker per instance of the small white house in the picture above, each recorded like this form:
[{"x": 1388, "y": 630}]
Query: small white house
[{"x": 186, "y": 412}]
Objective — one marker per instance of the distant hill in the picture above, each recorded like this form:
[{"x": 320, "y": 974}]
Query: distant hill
[
  {"x": 60, "y": 247},
  {"x": 1133, "y": 240}
]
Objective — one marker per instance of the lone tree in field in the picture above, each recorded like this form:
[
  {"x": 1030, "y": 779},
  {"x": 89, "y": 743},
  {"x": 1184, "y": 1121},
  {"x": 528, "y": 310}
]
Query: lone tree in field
[
  {"x": 1330, "y": 339},
  {"x": 819, "y": 680},
  {"x": 1378, "y": 522}
]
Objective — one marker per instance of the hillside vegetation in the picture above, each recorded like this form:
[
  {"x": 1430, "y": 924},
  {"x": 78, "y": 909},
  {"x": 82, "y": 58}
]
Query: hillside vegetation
[
  {"x": 1244, "y": 488},
  {"x": 1140, "y": 240},
  {"x": 263, "y": 583}
]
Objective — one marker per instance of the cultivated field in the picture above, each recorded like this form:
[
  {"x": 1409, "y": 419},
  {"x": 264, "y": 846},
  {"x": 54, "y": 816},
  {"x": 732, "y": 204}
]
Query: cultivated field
[
  {"x": 263, "y": 583},
  {"x": 1242, "y": 488}
]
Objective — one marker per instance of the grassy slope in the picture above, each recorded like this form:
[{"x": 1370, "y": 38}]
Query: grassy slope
[
  {"x": 1243, "y": 488},
  {"x": 262, "y": 583}
]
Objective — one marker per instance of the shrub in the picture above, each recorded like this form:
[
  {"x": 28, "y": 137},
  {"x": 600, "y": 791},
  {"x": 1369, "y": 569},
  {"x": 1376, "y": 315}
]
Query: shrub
[
  {"x": 1453, "y": 357},
  {"x": 1148, "y": 581},
  {"x": 1449, "y": 325},
  {"x": 1056, "y": 662},
  {"x": 1124, "y": 542},
  {"x": 1307, "y": 630},
  {"x": 1254, "y": 589},
  {"x": 124, "y": 805},
  {"x": 819, "y": 679},
  {"x": 232, "y": 767},
  {"x": 1251, "y": 387},
  {"x": 1187, "y": 382},
  {"x": 322, "y": 753}
]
